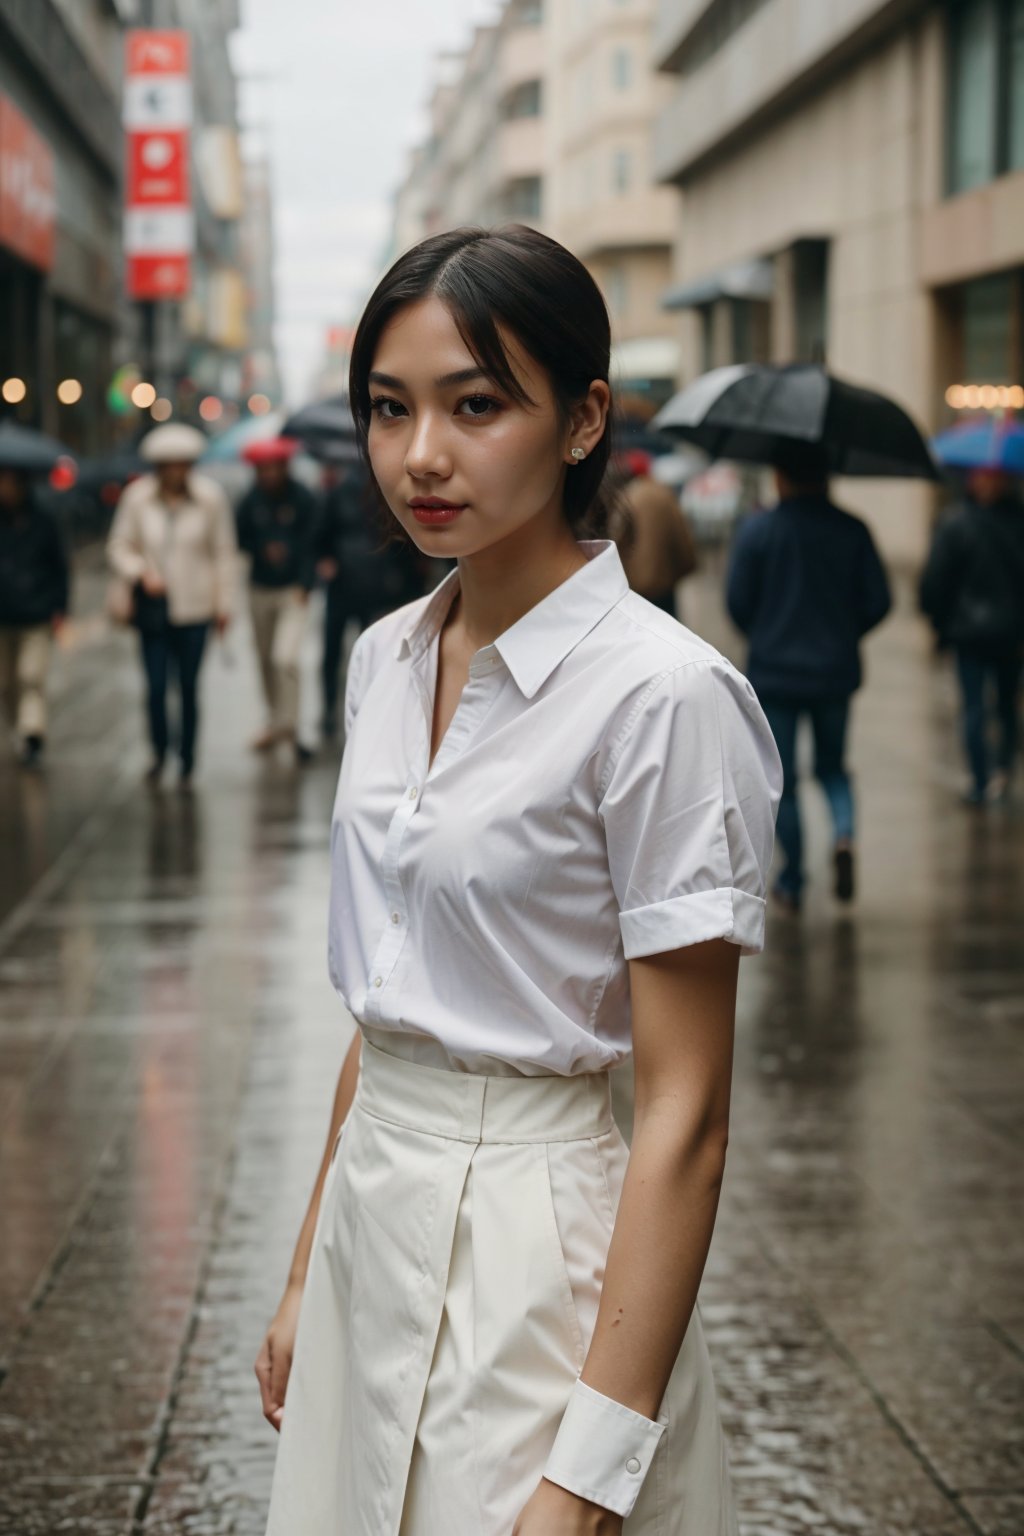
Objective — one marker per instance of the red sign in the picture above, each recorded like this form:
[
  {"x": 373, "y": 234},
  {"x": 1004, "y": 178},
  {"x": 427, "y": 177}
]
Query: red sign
[
  {"x": 158, "y": 213},
  {"x": 158, "y": 168},
  {"x": 158, "y": 277},
  {"x": 157, "y": 53},
  {"x": 28, "y": 200}
]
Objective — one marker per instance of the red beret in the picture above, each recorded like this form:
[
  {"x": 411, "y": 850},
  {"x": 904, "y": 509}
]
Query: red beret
[{"x": 271, "y": 450}]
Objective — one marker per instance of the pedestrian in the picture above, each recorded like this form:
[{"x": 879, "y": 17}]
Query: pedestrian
[
  {"x": 365, "y": 574},
  {"x": 276, "y": 529},
  {"x": 549, "y": 844},
  {"x": 657, "y": 547},
  {"x": 805, "y": 584},
  {"x": 972, "y": 589},
  {"x": 33, "y": 604},
  {"x": 173, "y": 541}
]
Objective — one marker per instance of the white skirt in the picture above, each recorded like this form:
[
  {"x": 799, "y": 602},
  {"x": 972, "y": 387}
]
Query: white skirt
[{"x": 452, "y": 1291}]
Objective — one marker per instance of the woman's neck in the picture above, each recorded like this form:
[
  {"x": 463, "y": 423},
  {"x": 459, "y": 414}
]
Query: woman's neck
[{"x": 499, "y": 584}]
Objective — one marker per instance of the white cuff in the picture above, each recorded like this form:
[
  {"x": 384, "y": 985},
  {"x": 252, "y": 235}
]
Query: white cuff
[
  {"x": 603, "y": 1450},
  {"x": 725, "y": 913}
]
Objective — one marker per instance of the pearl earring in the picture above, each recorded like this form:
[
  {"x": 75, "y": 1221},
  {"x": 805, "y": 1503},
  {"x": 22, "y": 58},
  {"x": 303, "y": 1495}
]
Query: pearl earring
[{"x": 578, "y": 454}]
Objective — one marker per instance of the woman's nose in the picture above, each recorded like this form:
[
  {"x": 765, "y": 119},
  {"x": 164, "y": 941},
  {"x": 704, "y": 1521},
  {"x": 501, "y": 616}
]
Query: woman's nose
[{"x": 427, "y": 453}]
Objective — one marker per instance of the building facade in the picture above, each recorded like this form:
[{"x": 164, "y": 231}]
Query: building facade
[
  {"x": 546, "y": 120},
  {"x": 60, "y": 213},
  {"x": 852, "y": 179}
]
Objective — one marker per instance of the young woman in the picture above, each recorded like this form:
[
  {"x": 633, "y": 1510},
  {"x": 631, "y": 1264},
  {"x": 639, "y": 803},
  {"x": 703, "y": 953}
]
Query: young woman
[{"x": 550, "y": 840}]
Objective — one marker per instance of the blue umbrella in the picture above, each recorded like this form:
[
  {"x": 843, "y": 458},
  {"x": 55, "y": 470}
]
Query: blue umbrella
[{"x": 982, "y": 445}]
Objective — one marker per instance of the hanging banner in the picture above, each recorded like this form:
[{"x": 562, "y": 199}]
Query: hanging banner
[
  {"x": 159, "y": 229},
  {"x": 28, "y": 200}
]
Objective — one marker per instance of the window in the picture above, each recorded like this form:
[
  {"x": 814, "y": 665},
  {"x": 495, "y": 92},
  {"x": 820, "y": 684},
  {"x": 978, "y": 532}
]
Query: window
[
  {"x": 617, "y": 289},
  {"x": 810, "y": 300},
  {"x": 985, "y": 91},
  {"x": 524, "y": 101},
  {"x": 622, "y": 69},
  {"x": 1015, "y": 72},
  {"x": 524, "y": 198},
  {"x": 988, "y": 350},
  {"x": 622, "y": 170}
]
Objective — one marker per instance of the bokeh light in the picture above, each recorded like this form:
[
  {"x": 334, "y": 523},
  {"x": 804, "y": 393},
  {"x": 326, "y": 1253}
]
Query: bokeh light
[
  {"x": 69, "y": 391},
  {"x": 259, "y": 404},
  {"x": 210, "y": 408},
  {"x": 143, "y": 395},
  {"x": 14, "y": 391}
]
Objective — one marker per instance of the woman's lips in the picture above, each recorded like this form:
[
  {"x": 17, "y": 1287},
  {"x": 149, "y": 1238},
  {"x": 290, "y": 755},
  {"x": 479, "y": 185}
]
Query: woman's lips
[{"x": 432, "y": 516}]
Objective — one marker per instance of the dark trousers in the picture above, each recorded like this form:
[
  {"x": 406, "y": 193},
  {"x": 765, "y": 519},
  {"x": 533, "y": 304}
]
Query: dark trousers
[
  {"x": 829, "y": 719},
  {"x": 339, "y": 608},
  {"x": 177, "y": 648},
  {"x": 978, "y": 669}
]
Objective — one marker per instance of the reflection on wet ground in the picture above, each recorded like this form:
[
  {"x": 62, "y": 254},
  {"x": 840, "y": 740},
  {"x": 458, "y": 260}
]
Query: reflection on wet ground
[{"x": 168, "y": 1045}]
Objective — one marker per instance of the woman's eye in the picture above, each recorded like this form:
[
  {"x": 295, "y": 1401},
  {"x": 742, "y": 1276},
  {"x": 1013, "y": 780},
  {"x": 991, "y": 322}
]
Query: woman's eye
[
  {"x": 382, "y": 408},
  {"x": 479, "y": 405}
]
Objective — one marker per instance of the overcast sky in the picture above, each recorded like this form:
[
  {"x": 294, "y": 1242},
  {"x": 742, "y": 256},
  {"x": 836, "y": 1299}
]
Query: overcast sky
[{"x": 336, "y": 93}]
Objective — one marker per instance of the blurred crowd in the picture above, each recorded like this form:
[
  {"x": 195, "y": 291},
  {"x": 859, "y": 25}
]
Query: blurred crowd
[{"x": 804, "y": 584}]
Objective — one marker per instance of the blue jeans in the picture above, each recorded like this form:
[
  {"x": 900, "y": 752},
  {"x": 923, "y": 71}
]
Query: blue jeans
[
  {"x": 179, "y": 646},
  {"x": 977, "y": 668},
  {"x": 829, "y": 719}
]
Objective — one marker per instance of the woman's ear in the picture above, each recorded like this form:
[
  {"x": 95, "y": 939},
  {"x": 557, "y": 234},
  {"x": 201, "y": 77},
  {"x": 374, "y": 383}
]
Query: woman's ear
[{"x": 589, "y": 419}]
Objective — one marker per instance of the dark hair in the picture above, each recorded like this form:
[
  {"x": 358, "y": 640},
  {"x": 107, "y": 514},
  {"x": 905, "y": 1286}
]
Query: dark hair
[{"x": 542, "y": 294}]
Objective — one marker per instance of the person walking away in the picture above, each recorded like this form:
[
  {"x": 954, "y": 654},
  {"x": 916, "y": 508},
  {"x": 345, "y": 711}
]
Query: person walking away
[
  {"x": 972, "y": 590},
  {"x": 276, "y": 529},
  {"x": 34, "y": 585},
  {"x": 657, "y": 546},
  {"x": 173, "y": 540},
  {"x": 366, "y": 574},
  {"x": 805, "y": 584}
]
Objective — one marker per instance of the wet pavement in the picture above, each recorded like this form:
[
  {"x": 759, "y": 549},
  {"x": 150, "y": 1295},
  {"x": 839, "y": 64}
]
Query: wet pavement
[{"x": 168, "y": 1049}]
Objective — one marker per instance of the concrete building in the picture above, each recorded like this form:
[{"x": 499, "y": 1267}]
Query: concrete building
[
  {"x": 853, "y": 190},
  {"x": 604, "y": 203},
  {"x": 261, "y": 374},
  {"x": 545, "y": 120},
  {"x": 60, "y": 212}
]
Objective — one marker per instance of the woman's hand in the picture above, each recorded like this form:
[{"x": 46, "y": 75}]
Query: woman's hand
[
  {"x": 274, "y": 1361},
  {"x": 554, "y": 1511},
  {"x": 152, "y": 584}
]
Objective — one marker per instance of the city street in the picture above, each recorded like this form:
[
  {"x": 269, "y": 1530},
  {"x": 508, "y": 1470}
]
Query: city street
[{"x": 168, "y": 1049}]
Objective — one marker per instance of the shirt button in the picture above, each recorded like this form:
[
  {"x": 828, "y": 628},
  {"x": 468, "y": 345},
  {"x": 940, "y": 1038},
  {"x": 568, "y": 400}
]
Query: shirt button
[
  {"x": 632, "y": 1465},
  {"x": 396, "y": 917},
  {"x": 378, "y": 981},
  {"x": 413, "y": 793}
]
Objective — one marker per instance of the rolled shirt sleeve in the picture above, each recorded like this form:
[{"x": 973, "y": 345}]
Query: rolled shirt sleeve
[
  {"x": 688, "y": 807},
  {"x": 603, "y": 1450}
]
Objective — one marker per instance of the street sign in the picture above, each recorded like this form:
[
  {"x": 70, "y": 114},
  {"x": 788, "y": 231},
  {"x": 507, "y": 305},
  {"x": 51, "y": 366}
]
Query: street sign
[{"x": 159, "y": 229}]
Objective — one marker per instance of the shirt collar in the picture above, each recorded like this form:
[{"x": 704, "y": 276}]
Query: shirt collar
[{"x": 545, "y": 635}]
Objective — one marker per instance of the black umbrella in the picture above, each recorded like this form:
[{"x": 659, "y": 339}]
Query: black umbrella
[
  {"x": 325, "y": 428},
  {"x": 800, "y": 418},
  {"x": 25, "y": 449}
]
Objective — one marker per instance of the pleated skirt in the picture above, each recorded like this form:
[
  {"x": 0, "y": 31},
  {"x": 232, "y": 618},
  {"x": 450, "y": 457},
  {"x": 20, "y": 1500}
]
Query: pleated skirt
[{"x": 450, "y": 1299}]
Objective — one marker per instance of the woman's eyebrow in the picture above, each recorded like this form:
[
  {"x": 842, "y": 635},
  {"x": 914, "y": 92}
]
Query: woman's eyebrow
[{"x": 461, "y": 376}]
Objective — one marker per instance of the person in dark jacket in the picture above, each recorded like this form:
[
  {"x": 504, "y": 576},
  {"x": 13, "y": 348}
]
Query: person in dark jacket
[
  {"x": 805, "y": 584},
  {"x": 365, "y": 575},
  {"x": 276, "y": 529},
  {"x": 972, "y": 589},
  {"x": 33, "y": 604}
]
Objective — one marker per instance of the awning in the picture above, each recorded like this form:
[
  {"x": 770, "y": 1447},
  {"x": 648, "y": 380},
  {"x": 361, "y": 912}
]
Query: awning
[
  {"x": 646, "y": 357},
  {"x": 740, "y": 280}
]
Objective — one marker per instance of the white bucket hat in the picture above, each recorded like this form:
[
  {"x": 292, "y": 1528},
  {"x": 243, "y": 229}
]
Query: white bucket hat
[{"x": 175, "y": 443}]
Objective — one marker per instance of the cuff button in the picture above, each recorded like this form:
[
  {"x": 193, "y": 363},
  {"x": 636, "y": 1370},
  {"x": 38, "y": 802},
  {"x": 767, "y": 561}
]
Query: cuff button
[{"x": 632, "y": 1465}]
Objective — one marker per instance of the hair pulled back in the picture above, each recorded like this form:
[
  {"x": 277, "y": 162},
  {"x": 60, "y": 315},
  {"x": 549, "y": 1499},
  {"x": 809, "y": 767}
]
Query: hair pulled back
[{"x": 541, "y": 294}]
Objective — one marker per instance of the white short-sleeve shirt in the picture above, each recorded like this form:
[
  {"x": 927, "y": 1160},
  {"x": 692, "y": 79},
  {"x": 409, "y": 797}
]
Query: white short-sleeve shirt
[{"x": 607, "y": 789}]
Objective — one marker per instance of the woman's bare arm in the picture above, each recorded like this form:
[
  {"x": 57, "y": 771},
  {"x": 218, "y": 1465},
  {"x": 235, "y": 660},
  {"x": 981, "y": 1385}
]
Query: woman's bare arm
[
  {"x": 684, "y": 1006},
  {"x": 274, "y": 1361},
  {"x": 343, "y": 1096}
]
